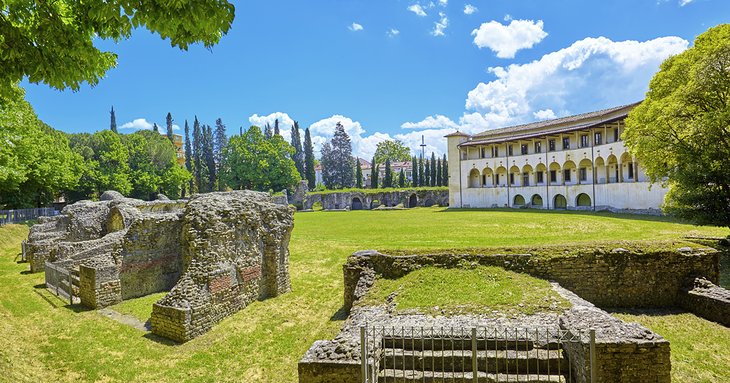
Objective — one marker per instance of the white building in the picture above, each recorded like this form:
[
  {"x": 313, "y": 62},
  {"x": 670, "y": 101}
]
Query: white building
[{"x": 576, "y": 162}]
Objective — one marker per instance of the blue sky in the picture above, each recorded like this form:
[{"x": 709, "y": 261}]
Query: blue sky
[{"x": 391, "y": 68}]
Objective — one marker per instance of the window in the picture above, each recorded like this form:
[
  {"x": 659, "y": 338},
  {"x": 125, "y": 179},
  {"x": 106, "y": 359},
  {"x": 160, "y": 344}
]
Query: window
[
  {"x": 566, "y": 175},
  {"x": 631, "y": 170},
  {"x": 553, "y": 176},
  {"x": 523, "y": 149},
  {"x": 583, "y": 174},
  {"x": 538, "y": 147},
  {"x": 615, "y": 135},
  {"x": 539, "y": 177},
  {"x": 509, "y": 150},
  {"x": 496, "y": 179},
  {"x": 525, "y": 179},
  {"x": 584, "y": 141},
  {"x": 512, "y": 178},
  {"x": 598, "y": 138},
  {"x": 551, "y": 145},
  {"x": 463, "y": 155},
  {"x": 484, "y": 180},
  {"x": 496, "y": 151},
  {"x": 483, "y": 152},
  {"x": 566, "y": 143}
]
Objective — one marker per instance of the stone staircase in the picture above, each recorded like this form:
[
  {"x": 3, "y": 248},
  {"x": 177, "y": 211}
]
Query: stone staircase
[{"x": 446, "y": 359}]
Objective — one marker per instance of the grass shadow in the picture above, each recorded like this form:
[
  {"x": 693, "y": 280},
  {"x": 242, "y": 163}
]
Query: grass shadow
[
  {"x": 26, "y": 272},
  {"x": 77, "y": 308},
  {"x": 161, "y": 340},
  {"x": 641, "y": 217},
  {"x": 340, "y": 315},
  {"x": 654, "y": 312}
]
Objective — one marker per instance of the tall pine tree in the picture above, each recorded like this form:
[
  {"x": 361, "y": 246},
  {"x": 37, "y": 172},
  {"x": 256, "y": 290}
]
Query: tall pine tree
[
  {"x": 421, "y": 180},
  {"x": 309, "y": 171},
  {"x": 219, "y": 149},
  {"x": 337, "y": 161},
  {"x": 268, "y": 133},
  {"x": 438, "y": 173},
  {"x": 427, "y": 173},
  {"x": 445, "y": 172},
  {"x": 402, "y": 179},
  {"x": 296, "y": 142},
  {"x": 168, "y": 120},
  {"x": 374, "y": 174},
  {"x": 188, "y": 156},
  {"x": 209, "y": 157},
  {"x": 197, "y": 155},
  {"x": 113, "y": 123},
  {"x": 388, "y": 176},
  {"x": 358, "y": 175},
  {"x": 276, "y": 127},
  {"x": 433, "y": 169},
  {"x": 414, "y": 171}
]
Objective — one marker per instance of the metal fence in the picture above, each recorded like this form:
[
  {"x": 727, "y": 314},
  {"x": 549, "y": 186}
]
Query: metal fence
[
  {"x": 22, "y": 215},
  {"x": 469, "y": 355},
  {"x": 60, "y": 281}
]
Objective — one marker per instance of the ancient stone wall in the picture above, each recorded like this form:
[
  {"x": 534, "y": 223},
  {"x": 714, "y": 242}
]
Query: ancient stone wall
[
  {"x": 707, "y": 300},
  {"x": 366, "y": 200},
  {"x": 99, "y": 286},
  {"x": 235, "y": 250},
  {"x": 605, "y": 277}
]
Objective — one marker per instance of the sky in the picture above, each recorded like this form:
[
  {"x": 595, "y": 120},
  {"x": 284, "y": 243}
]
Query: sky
[{"x": 390, "y": 69}]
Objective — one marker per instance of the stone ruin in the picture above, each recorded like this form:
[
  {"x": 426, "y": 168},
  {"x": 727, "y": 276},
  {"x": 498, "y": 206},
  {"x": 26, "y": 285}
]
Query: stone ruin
[{"x": 215, "y": 253}]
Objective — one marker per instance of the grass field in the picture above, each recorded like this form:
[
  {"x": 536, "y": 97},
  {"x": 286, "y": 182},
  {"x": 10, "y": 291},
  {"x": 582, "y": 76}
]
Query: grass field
[{"x": 42, "y": 339}]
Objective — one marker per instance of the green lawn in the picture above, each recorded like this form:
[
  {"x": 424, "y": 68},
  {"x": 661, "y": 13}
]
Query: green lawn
[
  {"x": 482, "y": 289},
  {"x": 42, "y": 339}
]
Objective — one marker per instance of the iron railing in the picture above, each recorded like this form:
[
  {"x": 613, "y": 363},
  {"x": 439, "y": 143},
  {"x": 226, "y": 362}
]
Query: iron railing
[
  {"x": 470, "y": 355},
  {"x": 60, "y": 281},
  {"x": 22, "y": 215}
]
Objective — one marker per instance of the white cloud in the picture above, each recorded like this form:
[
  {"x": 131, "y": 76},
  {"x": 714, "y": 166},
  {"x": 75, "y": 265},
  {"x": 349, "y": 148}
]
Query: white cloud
[
  {"x": 417, "y": 9},
  {"x": 544, "y": 114},
  {"x": 355, "y": 27},
  {"x": 610, "y": 72},
  {"x": 444, "y": 3},
  {"x": 143, "y": 124},
  {"x": 506, "y": 40},
  {"x": 470, "y": 9},
  {"x": 508, "y": 17},
  {"x": 392, "y": 32},
  {"x": 431, "y": 122},
  {"x": 682, "y": 3},
  {"x": 441, "y": 25},
  {"x": 285, "y": 123}
]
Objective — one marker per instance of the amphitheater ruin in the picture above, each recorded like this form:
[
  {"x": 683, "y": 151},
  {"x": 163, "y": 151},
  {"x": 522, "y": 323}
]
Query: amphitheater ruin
[{"x": 215, "y": 253}]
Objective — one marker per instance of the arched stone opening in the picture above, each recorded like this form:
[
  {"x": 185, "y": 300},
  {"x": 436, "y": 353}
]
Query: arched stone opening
[
  {"x": 583, "y": 199},
  {"x": 518, "y": 201},
  {"x": 474, "y": 179},
  {"x": 428, "y": 203},
  {"x": 536, "y": 200},
  {"x": 559, "y": 202},
  {"x": 356, "y": 204},
  {"x": 412, "y": 201}
]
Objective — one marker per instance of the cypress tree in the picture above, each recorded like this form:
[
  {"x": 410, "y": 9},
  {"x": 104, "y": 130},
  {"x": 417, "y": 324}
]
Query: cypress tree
[
  {"x": 438, "y": 172},
  {"x": 445, "y": 172},
  {"x": 113, "y": 123},
  {"x": 219, "y": 148},
  {"x": 188, "y": 155},
  {"x": 296, "y": 142},
  {"x": 426, "y": 172},
  {"x": 310, "y": 174},
  {"x": 197, "y": 153},
  {"x": 388, "y": 177},
  {"x": 414, "y": 171},
  {"x": 155, "y": 128},
  {"x": 358, "y": 175},
  {"x": 402, "y": 179},
  {"x": 209, "y": 156},
  {"x": 421, "y": 180},
  {"x": 276, "y": 127},
  {"x": 374, "y": 175},
  {"x": 433, "y": 169},
  {"x": 168, "y": 120},
  {"x": 337, "y": 161},
  {"x": 268, "y": 133}
]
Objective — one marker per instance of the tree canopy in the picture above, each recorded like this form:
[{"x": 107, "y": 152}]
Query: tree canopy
[
  {"x": 52, "y": 42},
  {"x": 392, "y": 150},
  {"x": 257, "y": 163},
  {"x": 681, "y": 132},
  {"x": 338, "y": 166}
]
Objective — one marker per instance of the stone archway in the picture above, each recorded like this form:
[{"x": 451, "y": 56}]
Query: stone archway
[
  {"x": 429, "y": 202},
  {"x": 412, "y": 201},
  {"x": 356, "y": 204},
  {"x": 583, "y": 199},
  {"x": 559, "y": 202}
]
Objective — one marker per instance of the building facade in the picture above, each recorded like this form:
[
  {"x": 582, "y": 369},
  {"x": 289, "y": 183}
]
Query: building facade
[{"x": 576, "y": 162}]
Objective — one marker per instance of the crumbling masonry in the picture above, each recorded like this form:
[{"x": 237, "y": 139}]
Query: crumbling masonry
[{"x": 215, "y": 253}]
